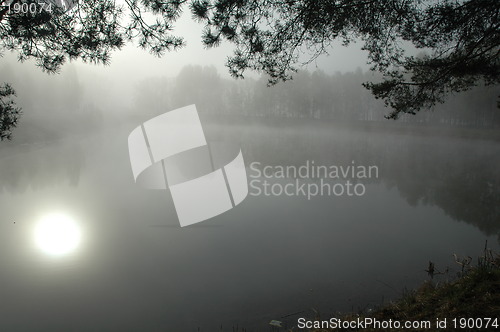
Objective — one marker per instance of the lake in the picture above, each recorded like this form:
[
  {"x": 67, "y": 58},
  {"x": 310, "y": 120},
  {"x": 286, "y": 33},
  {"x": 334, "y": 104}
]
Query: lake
[{"x": 274, "y": 256}]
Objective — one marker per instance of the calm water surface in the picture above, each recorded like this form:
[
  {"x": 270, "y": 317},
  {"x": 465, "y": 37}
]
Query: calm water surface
[{"x": 135, "y": 269}]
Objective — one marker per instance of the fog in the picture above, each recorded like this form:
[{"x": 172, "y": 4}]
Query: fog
[{"x": 436, "y": 193}]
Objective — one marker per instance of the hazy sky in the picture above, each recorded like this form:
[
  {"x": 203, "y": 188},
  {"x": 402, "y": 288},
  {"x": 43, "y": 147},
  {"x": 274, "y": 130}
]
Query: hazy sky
[
  {"x": 143, "y": 63},
  {"x": 134, "y": 64},
  {"x": 130, "y": 66}
]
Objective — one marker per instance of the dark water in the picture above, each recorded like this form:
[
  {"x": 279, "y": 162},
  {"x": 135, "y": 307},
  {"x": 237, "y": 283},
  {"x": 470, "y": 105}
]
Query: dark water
[{"x": 137, "y": 270}]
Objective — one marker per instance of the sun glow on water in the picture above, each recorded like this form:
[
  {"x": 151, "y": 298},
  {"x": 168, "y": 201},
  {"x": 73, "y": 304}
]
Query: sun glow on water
[{"x": 57, "y": 234}]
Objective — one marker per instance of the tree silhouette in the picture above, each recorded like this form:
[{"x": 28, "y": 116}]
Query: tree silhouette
[
  {"x": 89, "y": 31},
  {"x": 461, "y": 40},
  {"x": 9, "y": 113}
]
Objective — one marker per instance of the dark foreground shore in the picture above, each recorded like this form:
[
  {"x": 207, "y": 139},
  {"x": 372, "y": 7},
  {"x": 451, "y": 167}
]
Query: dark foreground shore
[{"x": 470, "y": 302}]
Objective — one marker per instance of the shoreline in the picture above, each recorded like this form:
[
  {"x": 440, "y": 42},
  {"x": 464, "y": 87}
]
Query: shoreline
[{"x": 460, "y": 304}]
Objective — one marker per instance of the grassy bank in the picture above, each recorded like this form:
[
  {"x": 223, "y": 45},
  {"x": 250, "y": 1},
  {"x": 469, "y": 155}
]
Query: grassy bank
[{"x": 474, "y": 294}]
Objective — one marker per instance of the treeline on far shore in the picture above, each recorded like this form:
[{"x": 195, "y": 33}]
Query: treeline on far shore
[
  {"x": 314, "y": 95},
  {"x": 66, "y": 104}
]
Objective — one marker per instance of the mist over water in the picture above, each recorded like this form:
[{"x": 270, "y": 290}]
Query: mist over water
[{"x": 436, "y": 193}]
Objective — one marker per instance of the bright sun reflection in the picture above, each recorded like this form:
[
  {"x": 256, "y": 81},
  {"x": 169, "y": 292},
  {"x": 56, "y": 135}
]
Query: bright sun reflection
[{"x": 57, "y": 234}]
